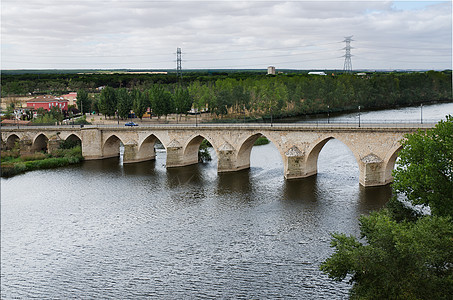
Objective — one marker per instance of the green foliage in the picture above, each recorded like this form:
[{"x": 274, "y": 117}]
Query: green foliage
[
  {"x": 238, "y": 92},
  {"x": 70, "y": 143},
  {"x": 425, "y": 170},
  {"x": 399, "y": 211},
  {"x": 261, "y": 141},
  {"x": 55, "y": 115},
  {"x": 108, "y": 101},
  {"x": 402, "y": 253},
  {"x": 82, "y": 121},
  {"x": 183, "y": 101},
  {"x": 161, "y": 101},
  {"x": 140, "y": 103},
  {"x": 398, "y": 260},
  {"x": 203, "y": 152},
  {"x": 125, "y": 102},
  {"x": 83, "y": 101},
  {"x": 36, "y": 161}
]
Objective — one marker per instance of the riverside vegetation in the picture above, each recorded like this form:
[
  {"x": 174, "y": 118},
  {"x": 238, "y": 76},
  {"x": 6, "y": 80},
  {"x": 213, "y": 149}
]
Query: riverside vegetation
[
  {"x": 404, "y": 252},
  {"x": 237, "y": 95},
  {"x": 12, "y": 163}
]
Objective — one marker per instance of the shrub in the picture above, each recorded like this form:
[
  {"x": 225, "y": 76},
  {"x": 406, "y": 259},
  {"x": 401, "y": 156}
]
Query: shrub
[
  {"x": 33, "y": 156},
  {"x": 261, "y": 141}
]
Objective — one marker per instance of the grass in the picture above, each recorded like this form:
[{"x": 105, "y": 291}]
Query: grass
[{"x": 12, "y": 165}]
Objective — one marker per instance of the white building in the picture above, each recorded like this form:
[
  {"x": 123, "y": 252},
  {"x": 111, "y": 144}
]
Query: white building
[
  {"x": 271, "y": 70},
  {"x": 317, "y": 73}
]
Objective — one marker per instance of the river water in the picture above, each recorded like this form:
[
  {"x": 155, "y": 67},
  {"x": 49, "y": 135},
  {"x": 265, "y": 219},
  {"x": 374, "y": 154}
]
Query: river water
[{"x": 106, "y": 230}]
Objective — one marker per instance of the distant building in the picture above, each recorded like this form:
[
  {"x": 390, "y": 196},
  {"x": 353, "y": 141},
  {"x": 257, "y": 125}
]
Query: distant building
[
  {"x": 317, "y": 73},
  {"x": 47, "y": 102},
  {"x": 270, "y": 70},
  {"x": 71, "y": 97}
]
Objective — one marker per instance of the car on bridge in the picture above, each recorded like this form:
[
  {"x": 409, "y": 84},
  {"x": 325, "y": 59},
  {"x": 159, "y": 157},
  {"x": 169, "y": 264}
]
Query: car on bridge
[{"x": 131, "y": 124}]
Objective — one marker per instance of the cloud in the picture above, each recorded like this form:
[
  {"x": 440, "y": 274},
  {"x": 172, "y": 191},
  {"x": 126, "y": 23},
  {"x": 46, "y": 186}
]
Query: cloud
[{"x": 224, "y": 34}]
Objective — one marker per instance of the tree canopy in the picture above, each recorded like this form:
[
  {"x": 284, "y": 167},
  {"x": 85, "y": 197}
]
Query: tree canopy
[
  {"x": 402, "y": 253},
  {"x": 425, "y": 171},
  {"x": 256, "y": 94}
]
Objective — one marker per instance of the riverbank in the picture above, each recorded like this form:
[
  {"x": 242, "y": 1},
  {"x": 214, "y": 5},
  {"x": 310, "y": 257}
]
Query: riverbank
[
  {"x": 207, "y": 117},
  {"x": 13, "y": 164}
]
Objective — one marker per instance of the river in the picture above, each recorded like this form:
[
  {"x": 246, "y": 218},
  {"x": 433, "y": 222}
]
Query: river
[{"x": 106, "y": 230}]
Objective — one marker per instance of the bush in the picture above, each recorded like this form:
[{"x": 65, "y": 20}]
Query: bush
[
  {"x": 34, "y": 156},
  {"x": 261, "y": 141},
  {"x": 36, "y": 161}
]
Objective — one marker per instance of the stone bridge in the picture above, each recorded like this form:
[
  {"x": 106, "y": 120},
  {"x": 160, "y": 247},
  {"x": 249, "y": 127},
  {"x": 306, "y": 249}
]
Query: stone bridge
[{"x": 375, "y": 147}]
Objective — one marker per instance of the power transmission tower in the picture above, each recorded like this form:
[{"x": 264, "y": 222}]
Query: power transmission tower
[
  {"x": 347, "y": 57},
  {"x": 178, "y": 64}
]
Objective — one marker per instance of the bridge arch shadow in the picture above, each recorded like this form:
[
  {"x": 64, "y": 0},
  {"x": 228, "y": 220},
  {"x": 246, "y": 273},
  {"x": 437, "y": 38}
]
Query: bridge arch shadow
[
  {"x": 192, "y": 147},
  {"x": 73, "y": 140},
  {"x": 11, "y": 141},
  {"x": 40, "y": 143},
  {"x": 391, "y": 163},
  {"x": 147, "y": 148},
  {"x": 112, "y": 147}
]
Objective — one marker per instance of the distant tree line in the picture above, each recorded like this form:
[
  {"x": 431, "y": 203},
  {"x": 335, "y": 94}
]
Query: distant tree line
[{"x": 238, "y": 94}]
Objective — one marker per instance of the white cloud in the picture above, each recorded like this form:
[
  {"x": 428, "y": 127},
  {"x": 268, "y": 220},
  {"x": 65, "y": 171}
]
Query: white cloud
[{"x": 224, "y": 34}]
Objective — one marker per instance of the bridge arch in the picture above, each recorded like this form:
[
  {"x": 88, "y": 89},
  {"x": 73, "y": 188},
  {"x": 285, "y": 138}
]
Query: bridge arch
[
  {"x": 146, "y": 149},
  {"x": 40, "y": 143},
  {"x": 313, "y": 153},
  {"x": 11, "y": 141},
  {"x": 245, "y": 149},
  {"x": 390, "y": 163},
  {"x": 111, "y": 146},
  {"x": 73, "y": 139},
  {"x": 190, "y": 150}
]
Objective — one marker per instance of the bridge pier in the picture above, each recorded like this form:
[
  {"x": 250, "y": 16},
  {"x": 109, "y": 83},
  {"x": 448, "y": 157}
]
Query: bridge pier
[
  {"x": 25, "y": 146},
  {"x": 175, "y": 156},
  {"x": 91, "y": 144},
  {"x": 226, "y": 159},
  {"x": 372, "y": 171},
  {"x": 295, "y": 165},
  {"x": 133, "y": 155},
  {"x": 375, "y": 148},
  {"x": 53, "y": 144}
]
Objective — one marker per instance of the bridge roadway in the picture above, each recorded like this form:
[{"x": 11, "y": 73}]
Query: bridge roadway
[{"x": 374, "y": 145}]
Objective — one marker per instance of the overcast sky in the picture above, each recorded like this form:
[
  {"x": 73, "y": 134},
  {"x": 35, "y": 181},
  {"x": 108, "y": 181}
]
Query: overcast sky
[{"x": 144, "y": 34}]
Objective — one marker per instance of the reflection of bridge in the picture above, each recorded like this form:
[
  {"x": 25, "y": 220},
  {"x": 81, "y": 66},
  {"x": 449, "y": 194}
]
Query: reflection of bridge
[{"x": 374, "y": 147}]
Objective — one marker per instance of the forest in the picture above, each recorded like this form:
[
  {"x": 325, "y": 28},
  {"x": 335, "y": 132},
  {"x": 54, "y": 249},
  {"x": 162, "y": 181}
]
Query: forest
[{"x": 231, "y": 95}]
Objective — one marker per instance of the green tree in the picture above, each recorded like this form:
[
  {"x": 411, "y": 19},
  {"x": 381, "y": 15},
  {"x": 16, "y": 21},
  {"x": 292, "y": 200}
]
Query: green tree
[
  {"x": 108, "y": 101},
  {"x": 182, "y": 100},
  {"x": 162, "y": 101},
  {"x": 139, "y": 103},
  {"x": 56, "y": 113},
  {"x": 223, "y": 98},
  {"x": 402, "y": 253},
  {"x": 83, "y": 101},
  {"x": 425, "y": 171},
  {"x": 125, "y": 103},
  {"x": 402, "y": 260}
]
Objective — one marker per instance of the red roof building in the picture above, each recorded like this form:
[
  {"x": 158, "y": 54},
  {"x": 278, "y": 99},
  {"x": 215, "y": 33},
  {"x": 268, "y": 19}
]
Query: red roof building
[
  {"x": 72, "y": 97},
  {"x": 47, "y": 102}
]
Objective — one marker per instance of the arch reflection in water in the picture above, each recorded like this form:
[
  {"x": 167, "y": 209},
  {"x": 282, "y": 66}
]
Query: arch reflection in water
[
  {"x": 185, "y": 176},
  {"x": 145, "y": 168},
  {"x": 237, "y": 182}
]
